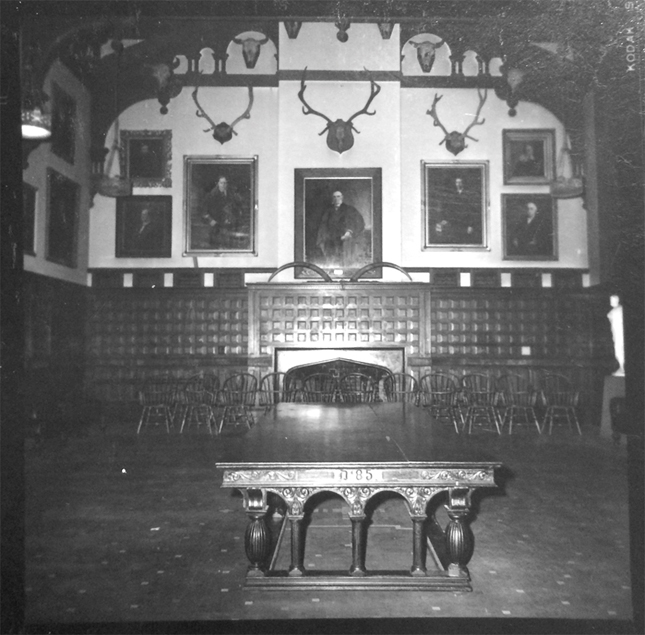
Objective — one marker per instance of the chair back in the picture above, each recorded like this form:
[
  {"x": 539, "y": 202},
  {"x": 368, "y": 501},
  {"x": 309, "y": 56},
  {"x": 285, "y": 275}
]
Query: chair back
[
  {"x": 438, "y": 390},
  {"x": 479, "y": 389},
  {"x": 358, "y": 388},
  {"x": 276, "y": 388},
  {"x": 557, "y": 390},
  {"x": 158, "y": 391},
  {"x": 211, "y": 382},
  {"x": 320, "y": 388},
  {"x": 516, "y": 390},
  {"x": 239, "y": 389},
  {"x": 401, "y": 387}
]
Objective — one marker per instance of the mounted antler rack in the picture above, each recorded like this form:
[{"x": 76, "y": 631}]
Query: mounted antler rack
[
  {"x": 456, "y": 141},
  {"x": 223, "y": 132},
  {"x": 340, "y": 135}
]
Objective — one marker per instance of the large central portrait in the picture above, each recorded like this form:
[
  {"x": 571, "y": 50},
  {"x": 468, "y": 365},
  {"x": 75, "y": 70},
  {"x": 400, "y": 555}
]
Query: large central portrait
[{"x": 338, "y": 220}]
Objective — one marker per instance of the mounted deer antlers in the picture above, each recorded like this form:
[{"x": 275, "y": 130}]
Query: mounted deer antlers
[
  {"x": 456, "y": 141},
  {"x": 339, "y": 133},
  {"x": 223, "y": 132}
]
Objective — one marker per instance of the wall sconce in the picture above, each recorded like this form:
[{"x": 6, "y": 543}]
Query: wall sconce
[
  {"x": 36, "y": 121},
  {"x": 514, "y": 78},
  {"x": 507, "y": 90}
]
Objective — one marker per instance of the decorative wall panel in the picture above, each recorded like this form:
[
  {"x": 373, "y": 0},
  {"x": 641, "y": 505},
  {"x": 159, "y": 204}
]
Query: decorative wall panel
[
  {"x": 135, "y": 333},
  {"x": 340, "y": 316}
]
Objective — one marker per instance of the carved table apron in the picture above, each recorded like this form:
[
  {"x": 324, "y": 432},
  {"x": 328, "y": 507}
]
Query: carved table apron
[{"x": 359, "y": 451}]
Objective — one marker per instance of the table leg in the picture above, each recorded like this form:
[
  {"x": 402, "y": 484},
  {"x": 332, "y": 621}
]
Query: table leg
[
  {"x": 418, "y": 568},
  {"x": 358, "y": 547},
  {"x": 459, "y": 538},
  {"x": 257, "y": 541},
  {"x": 297, "y": 567}
]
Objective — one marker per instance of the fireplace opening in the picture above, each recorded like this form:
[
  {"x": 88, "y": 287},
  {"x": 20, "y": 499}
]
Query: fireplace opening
[{"x": 377, "y": 363}]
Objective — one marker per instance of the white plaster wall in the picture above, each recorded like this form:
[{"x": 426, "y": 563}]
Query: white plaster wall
[
  {"x": 375, "y": 146},
  {"x": 256, "y": 136},
  {"x": 420, "y": 141},
  {"x": 36, "y": 175},
  {"x": 318, "y": 48},
  {"x": 396, "y": 139}
]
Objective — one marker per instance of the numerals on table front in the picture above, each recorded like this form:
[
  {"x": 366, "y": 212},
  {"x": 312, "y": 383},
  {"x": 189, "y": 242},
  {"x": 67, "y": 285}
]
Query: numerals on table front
[{"x": 356, "y": 475}]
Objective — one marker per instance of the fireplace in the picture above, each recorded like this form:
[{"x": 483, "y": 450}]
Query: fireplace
[{"x": 376, "y": 362}]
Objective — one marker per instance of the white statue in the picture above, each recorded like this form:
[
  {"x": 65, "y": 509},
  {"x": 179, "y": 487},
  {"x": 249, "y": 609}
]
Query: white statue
[{"x": 615, "y": 317}]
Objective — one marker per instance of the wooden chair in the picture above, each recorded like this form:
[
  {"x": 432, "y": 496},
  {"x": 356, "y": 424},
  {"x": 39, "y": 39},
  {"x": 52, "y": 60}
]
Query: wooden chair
[
  {"x": 198, "y": 403},
  {"x": 276, "y": 388},
  {"x": 518, "y": 401},
  {"x": 320, "y": 388},
  {"x": 561, "y": 400},
  {"x": 401, "y": 387},
  {"x": 481, "y": 395},
  {"x": 237, "y": 399},
  {"x": 157, "y": 398},
  {"x": 439, "y": 392},
  {"x": 358, "y": 388}
]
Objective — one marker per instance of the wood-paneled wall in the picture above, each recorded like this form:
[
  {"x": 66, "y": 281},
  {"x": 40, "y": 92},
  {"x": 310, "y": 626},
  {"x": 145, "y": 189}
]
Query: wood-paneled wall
[{"x": 135, "y": 332}]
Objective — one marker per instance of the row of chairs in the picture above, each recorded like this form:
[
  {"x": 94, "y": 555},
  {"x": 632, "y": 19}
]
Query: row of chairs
[
  {"x": 495, "y": 403},
  {"x": 476, "y": 399}
]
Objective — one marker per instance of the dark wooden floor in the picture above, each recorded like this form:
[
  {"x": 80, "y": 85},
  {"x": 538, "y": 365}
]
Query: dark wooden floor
[{"x": 121, "y": 528}]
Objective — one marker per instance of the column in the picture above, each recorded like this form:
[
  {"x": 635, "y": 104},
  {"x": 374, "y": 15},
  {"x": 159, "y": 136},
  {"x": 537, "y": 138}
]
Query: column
[
  {"x": 257, "y": 541},
  {"x": 459, "y": 538}
]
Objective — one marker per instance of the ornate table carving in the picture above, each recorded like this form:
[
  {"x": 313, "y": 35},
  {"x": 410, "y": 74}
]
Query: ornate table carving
[{"x": 356, "y": 483}]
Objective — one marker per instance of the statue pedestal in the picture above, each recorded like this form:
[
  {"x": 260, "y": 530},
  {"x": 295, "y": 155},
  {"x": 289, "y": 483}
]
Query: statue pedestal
[{"x": 614, "y": 387}]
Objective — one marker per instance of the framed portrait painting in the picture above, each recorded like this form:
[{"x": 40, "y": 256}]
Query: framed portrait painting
[
  {"x": 143, "y": 226},
  {"x": 529, "y": 227},
  {"x": 63, "y": 199},
  {"x": 146, "y": 157},
  {"x": 529, "y": 156},
  {"x": 455, "y": 204},
  {"x": 338, "y": 220},
  {"x": 220, "y": 196},
  {"x": 63, "y": 139}
]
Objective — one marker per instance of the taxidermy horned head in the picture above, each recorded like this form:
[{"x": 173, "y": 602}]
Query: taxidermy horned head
[
  {"x": 340, "y": 135},
  {"x": 223, "y": 132},
  {"x": 426, "y": 52},
  {"x": 250, "y": 49},
  {"x": 456, "y": 141}
]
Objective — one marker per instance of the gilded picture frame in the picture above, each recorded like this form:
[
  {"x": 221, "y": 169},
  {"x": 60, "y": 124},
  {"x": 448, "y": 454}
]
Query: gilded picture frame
[
  {"x": 221, "y": 205},
  {"x": 455, "y": 205},
  {"x": 529, "y": 156},
  {"x": 146, "y": 157},
  {"x": 338, "y": 220}
]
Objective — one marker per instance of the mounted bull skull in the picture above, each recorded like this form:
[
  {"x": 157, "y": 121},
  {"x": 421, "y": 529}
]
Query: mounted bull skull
[
  {"x": 222, "y": 132},
  {"x": 250, "y": 49},
  {"x": 340, "y": 135},
  {"x": 426, "y": 52},
  {"x": 456, "y": 141}
]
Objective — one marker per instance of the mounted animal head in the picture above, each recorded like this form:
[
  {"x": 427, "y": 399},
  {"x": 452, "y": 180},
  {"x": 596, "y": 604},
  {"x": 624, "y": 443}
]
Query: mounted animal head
[
  {"x": 223, "y": 132},
  {"x": 426, "y": 52},
  {"x": 250, "y": 49},
  {"x": 340, "y": 134},
  {"x": 456, "y": 141}
]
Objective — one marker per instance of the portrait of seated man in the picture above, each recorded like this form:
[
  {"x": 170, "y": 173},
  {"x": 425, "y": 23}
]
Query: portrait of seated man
[
  {"x": 455, "y": 207},
  {"x": 529, "y": 229}
]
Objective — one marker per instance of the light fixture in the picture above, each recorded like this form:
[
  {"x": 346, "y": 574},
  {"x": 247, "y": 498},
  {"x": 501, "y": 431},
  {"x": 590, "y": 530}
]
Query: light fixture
[
  {"x": 514, "y": 78},
  {"x": 36, "y": 121}
]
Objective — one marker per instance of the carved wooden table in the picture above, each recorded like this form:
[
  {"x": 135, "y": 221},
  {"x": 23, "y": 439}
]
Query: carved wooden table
[{"x": 356, "y": 452}]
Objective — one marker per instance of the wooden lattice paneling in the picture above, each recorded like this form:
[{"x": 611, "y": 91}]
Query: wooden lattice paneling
[{"x": 342, "y": 317}]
